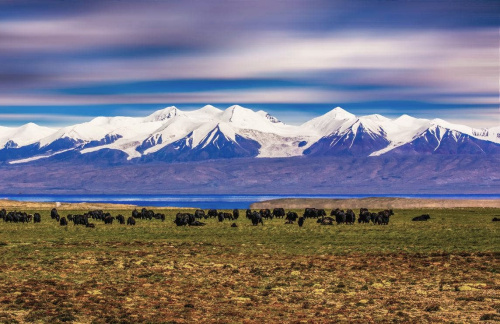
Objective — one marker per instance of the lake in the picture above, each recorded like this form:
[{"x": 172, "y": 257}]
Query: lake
[{"x": 210, "y": 201}]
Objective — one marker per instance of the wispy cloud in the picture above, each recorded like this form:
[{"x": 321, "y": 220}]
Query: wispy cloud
[{"x": 328, "y": 51}]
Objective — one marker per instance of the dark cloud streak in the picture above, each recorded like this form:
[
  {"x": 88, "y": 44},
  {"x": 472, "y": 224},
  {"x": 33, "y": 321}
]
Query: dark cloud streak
[{"x": 418, "y": 49}]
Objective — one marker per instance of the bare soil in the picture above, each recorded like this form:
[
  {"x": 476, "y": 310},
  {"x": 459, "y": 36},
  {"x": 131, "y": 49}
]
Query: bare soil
[
  {"x": 13, "y": 204},
  {"x": 395, "y": 203}
]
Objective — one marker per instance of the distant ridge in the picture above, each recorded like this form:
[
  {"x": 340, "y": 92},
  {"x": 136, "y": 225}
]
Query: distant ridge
[
  {"x": 210, "y": 133},
  {"x": 376, "y": 202}
]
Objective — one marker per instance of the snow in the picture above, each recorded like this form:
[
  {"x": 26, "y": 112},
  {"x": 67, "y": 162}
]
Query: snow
[
  {"x": 208, "y": 110},
  {"x": 266, "y": 115},
  {"x": 376, "y": 117},
  {"x": 162, "y": 114},
  {"x": 333, "y": 121},
  {"x": 24, "y": 135},
  {"x": 38, "y": 157},
  {"x": 200, "y": 126},
  {"x": 245, "y": 118}
]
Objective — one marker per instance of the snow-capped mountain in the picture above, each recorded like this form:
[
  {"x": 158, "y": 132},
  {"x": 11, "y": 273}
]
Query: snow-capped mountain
[
  {"x": 13, "y": 137},
  {"x": 345, "y": 134},
  {"x": 173, "y": 135}
]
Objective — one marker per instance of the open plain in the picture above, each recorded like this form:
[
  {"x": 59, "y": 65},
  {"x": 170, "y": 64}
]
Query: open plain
[{"x": 440, "y": 271}]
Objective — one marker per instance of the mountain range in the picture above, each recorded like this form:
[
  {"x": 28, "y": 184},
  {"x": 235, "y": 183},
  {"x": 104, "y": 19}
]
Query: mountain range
[{"x": 209, "y": 133}]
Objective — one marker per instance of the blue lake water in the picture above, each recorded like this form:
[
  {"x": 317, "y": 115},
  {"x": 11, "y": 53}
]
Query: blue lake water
[{"x": 209, "y": 201}]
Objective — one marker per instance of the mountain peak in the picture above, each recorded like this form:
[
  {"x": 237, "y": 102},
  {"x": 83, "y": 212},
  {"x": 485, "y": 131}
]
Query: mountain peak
[
  {"x": 238, "y": 131},
  {"x": 408, "y": 121},
  {"x": 333, "y": 121},
  {"x": 209, "y": 108},
  {"x": 339, "y": 113},
  {"x": 163, "y": 114},
  {"x": 206, "y": 111},
  {"x": 376, "y": 117},
  {"x": 30, "y": 124},
  {"x": 440, "y": 122},
  {"x": 32, "y": 127}
]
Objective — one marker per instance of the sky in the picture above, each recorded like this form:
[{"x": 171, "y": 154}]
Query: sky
[{"x": 65, "y": 62}]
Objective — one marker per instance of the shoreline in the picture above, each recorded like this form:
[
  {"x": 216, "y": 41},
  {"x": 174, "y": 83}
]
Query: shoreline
[
  {"x": 287, "y": 203},
  {"x": 6, "y": 203},
  {"x": 376, "y": 202}
]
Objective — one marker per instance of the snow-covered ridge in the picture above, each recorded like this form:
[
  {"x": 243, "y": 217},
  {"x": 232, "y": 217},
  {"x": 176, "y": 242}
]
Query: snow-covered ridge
[
  {"x": 24, "y": 135},
  {"x": 237, "y": 130}
]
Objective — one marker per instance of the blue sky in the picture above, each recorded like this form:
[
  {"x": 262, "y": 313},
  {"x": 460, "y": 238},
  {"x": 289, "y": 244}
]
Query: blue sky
[{"x": 63, "y": 62}]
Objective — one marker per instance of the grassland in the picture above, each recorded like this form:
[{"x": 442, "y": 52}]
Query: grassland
[{"x": 444, "y": 270}]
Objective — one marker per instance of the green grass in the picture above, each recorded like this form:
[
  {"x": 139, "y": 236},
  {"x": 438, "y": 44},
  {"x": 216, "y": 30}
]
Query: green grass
[{"x": 448, "y": 230}]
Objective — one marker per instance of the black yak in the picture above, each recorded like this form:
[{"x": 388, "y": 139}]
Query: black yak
[
  {"x": 256, "y": 219},
  {"x": 421, "y": 218},
  {"x": 301, "y": 221}
]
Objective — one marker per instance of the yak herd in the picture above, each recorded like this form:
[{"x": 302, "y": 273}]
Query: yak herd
[
  {"x": 257, "y": 217},
  {"x": 88, "y": 219},
  {"x": 336, "y": 216}
]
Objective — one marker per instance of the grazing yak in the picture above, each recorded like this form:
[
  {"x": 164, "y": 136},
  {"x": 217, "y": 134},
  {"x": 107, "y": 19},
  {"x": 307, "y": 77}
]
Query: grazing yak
[
  {"x": 364, "y": 216},
  {"x": 146, "y": 214},
  {"x": 301, "y": 221},
  {"x": 81, "y": 219},
  {"x": 121, "y": 219},
  {"x": 350, "y": 217},
  {"x": 37, "y": 218},
  {"x": 236, "y": 213},
  {"x": 222, "y": 216},
  {"x": 382, "y": 217},
  {"x": 340, "y": 216},
  {"x": 279, "y": 212},
  {"x": 109, "y": 219},
  {"x": 54, "y": 214},
  {"x": 248, "y": 213},
  {"x": 213, "y": 213},
  {"x": 256, "y": 219},
  {"x": 63, "y": 221},
  {"x": 421, "y": 218},
  {"x": 3, "y": 213},
  {"x": 310, "y": 213},
  {"x": 291, "y": 217},
  {"x": 183, "y": 219},
  {"x": 266, "y": 213},
  {"x": 131, "y": 221},
  {"x": 199, "y": 214}
]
